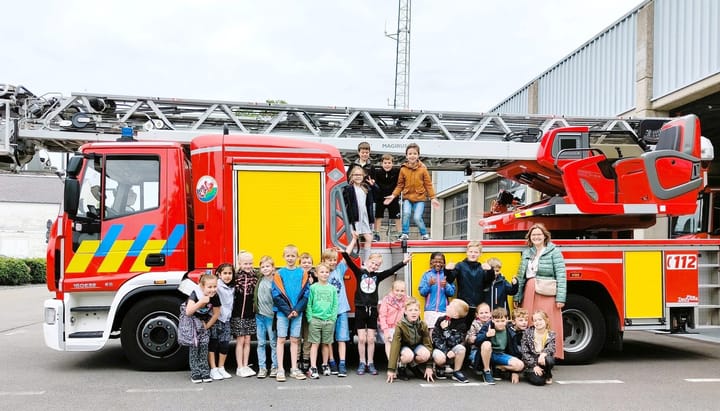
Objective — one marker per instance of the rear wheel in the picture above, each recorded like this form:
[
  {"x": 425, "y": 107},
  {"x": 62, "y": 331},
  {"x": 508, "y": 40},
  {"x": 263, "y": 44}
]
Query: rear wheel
[
  {"x": 149, "y": 334},
  {"x": 584, "y": 330}
]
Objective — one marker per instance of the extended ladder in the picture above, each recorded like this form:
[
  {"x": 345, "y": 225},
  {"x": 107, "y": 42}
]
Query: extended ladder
[{"x": 448, "y": 140}]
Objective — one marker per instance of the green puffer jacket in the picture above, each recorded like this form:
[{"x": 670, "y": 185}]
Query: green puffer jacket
[{"x": 551, "y": 265}]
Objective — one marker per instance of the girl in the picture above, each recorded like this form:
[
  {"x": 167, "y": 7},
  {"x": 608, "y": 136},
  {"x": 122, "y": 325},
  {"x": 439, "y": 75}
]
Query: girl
[
  {"x": 392, "y": 308},
  {"x": 243, "y": 316},
  {"x": 538, "y": 350},
  {"x": 220, "y": 332},
  {"x": 359, "y": 202},
  {"x": 207, "y": 309},
  {"x": 264, "y": 316},
  {"x": 436, "y": 289}
]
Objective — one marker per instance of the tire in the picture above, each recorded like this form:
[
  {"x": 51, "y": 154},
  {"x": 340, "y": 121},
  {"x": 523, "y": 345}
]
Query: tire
[
  {"x": 149, "y": 334},
  {"x": 584, "y": 330}
]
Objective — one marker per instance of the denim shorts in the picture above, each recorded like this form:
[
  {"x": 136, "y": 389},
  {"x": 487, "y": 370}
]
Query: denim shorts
[
  {"x": 342, "y": 328},
  {"x": 220, "y": 331},
  {"x": 283, "y": 323},
  {"x": 500, "y": 358}
]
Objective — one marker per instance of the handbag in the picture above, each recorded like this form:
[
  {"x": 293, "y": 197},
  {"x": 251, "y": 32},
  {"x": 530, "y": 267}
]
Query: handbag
[
  {"x": 187, "y": 329},
  {"x": 546, "y": 286}
]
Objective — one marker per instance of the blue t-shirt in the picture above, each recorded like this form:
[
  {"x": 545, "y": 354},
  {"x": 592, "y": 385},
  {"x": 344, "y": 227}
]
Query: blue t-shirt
[
  {"x": 337, "y": 279},
  {"x": 292, "y": 280}
]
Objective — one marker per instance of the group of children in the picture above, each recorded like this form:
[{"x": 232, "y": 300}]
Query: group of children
[
  {"x": 371, "y": 191},
  {"x": 300, "y": 301}
]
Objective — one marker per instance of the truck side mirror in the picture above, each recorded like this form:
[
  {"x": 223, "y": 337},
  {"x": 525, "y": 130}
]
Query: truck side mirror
[{"x": 72, "y": 196}]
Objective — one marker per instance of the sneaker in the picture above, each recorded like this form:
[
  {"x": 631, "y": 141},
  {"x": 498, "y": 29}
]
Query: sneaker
[
  {"x": 342, "y": 369},
  {"x": 489, "y": 380},
  {"x": 224, "y": 373},
  {"x": 449, "y": 370},
  {"x": 426, "y": 237},
  {"x": 371, "y": 369},
  {"x": 262, "y": 373},
  {"x": 326, "y": 370},
  {"x": 314, "y": 373},
  {"x": 240, "y": 372},
  {"x": 280, "y": 376},
  {"x": 195, "y": 379},
  {"x": 361, "y": 369},
  {"x": 440, "y": 374},
  {"x": 333, "y": 368},
  {"x": 403, "y": 237},
  {"x": 273, "y": 372},
  {"x": 297, "y": 374},
  {"x": 304, "y": 365},
  {"x": 459, "y": 377},
  {"x": 215, "y": 374},
  {"x": 249, "y": 372},
  {"x": 206, "y": 378},
  {"x": 376, "y": 237},
  {"x": 402, "y": 374}
]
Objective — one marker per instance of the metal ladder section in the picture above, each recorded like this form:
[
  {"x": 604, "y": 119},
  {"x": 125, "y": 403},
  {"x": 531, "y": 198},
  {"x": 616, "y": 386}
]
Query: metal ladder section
[
  {"x": 707, "y": 312},
  {"x": 448, "y": 140}
]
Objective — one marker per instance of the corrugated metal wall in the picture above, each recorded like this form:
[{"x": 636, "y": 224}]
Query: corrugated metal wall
[
  {"x": 596, "y": 79},
  {"x": 687, "y": 43}
]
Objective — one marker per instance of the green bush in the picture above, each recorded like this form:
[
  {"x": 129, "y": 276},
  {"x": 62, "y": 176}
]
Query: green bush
[
  {"x": 13, "y": 271},
  {"x": 38, "y": 269}
]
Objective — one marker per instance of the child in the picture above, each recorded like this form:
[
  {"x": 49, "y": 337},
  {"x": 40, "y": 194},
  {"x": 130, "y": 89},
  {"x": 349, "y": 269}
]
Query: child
[
  {"x": 264, "y": 316},
  {"x": 207, "y": 309},
  {"x": 220, "y": 332},
  {"x": 448, "y": 338},
  {"x": 359, "y": 201},
  {"x": 363, "y": 161},
  {"x": 290, "y": 294},
  {"x": 390, "y": 312},
  {"x": 519, "y": 325},
  {"x": 416, "y": 186},
  {"x": 366, "y": 302},
  {"x": 306, "y": 262},
  {"x": 495, "y": 341},
  {"x": 243, "y": 315},
  {"x": 342, "y": 326},
  {"x": 321, "y": 311},
  {"x": 436, "y": 290},
  {"x": 411, "y": 343},
  {"x": 538, "y": 350},
  {"x": 472, "y": 277},
  {"x": 500, "y": 289},
  {"x": 482, "y": 318},
  {"x": 386, "y": 179}
]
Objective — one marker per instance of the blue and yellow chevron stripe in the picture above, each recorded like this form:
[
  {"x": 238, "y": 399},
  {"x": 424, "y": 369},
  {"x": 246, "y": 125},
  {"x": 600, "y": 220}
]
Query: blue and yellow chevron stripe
[{"x": 114, "y": 251}]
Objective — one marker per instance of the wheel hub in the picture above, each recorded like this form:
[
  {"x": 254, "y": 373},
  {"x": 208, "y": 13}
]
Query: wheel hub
[{"x": 158, "y": 335}]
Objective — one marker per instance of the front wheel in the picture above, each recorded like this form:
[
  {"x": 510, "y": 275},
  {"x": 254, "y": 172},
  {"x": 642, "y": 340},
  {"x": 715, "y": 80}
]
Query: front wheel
[
  {"x": 584, "y": 330},
  {"x": 149, "y": 334}
]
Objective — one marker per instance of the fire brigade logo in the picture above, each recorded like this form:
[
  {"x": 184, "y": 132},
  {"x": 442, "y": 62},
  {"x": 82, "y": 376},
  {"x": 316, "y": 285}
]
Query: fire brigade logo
[{"x": 206, "y": 189}]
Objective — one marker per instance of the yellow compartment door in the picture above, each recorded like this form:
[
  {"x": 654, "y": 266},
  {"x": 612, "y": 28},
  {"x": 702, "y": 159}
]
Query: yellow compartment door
[
  {"x": 643, "y": 285},
  {"x": 277, "y": 206}
]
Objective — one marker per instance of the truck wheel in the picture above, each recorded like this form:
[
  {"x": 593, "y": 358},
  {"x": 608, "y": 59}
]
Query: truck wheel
[
  {"x": 584, "y": 330},
  {"x": 149, "y": 334}
]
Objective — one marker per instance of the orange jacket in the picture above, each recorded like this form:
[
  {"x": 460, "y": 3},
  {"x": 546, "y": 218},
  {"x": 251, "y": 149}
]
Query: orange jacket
[{"x": 414, "y": 183}]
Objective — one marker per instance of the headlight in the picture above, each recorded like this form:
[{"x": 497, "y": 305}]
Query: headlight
[{"x": 50, "y": 315}]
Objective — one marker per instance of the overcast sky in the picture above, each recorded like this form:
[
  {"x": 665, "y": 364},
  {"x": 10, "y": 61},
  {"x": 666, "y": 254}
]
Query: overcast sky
[{"x": 466, "y": 55}]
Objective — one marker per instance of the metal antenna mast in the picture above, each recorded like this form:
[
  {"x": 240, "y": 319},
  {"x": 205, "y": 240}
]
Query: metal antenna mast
[{"x": 402, "y": 56}]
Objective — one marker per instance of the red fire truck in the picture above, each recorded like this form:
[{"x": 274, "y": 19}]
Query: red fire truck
[{"x": 147, "y": 211}]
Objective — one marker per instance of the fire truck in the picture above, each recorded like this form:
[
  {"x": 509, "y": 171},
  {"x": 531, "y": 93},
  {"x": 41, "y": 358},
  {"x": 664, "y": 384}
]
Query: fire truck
[{"x": 159, "y": 190}]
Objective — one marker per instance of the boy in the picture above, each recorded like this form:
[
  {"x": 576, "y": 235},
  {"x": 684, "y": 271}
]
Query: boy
[
  {"x": 521, "y": 319},
  {"x": 411, "y": 342},
  {"x": 321, "y": 313},
  {"x": 500, "y": 289},
  {"x": 496, "y": 341},
  {"x": 363, "y": 161},
  {"x": 306, "y": 262},
  {"x": 415, "y": 185},
  {"x": 342, "y": 326},
  {"x": 290, "y": 294},
  {"x": 386, "y": 180},
  {"x": 366, "y": 302},
  {"x": 448, "y": 337},
  {"x": 472, "y": 277}
]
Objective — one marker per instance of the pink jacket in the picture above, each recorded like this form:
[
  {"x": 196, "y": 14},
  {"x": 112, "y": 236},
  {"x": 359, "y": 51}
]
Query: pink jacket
[{"x": 391, "y": 311}]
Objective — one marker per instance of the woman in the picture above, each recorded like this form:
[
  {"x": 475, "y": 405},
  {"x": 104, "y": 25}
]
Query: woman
[{"x": 543, "y": 261}]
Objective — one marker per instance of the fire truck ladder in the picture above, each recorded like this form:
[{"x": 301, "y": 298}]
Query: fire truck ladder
[{"x": 448, "y": 140}]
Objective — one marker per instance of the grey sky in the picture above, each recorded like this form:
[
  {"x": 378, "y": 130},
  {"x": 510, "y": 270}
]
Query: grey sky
[{"x": 465, "y": 55}]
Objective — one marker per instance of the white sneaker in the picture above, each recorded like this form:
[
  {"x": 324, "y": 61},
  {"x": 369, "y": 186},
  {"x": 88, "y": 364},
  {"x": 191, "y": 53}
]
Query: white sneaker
[
  {"x": 224, "y": 373},
  {"x": 247, "y": 372},
  {"x": 426, "y": 237},
  {"x": 403, "y": 237},
  {"x": 215, "y": 374}
]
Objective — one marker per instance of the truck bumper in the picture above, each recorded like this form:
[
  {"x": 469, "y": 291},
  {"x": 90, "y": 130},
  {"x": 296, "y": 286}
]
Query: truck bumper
[{"x": 53, "y": 324}]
